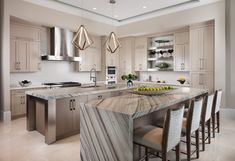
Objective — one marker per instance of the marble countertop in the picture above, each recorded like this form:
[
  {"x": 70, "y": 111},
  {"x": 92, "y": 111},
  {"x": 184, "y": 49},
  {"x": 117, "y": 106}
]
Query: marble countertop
[
  {"x": 29, "y": 87},
  {"x": 167, "y": 83},
  {"x": 139, "y": 105},
  {"x": 74, "y": 91}
]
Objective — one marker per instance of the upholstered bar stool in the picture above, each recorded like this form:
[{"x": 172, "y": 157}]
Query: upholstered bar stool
[
  {"x": 216, "y": 112},
  {"x": 162, "y": 139},
  {"x": 206, "y": 119},
  {"x": 191, "y": 125}
]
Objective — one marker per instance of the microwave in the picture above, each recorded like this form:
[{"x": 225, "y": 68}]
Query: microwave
[{"x": 111, "y": 70}]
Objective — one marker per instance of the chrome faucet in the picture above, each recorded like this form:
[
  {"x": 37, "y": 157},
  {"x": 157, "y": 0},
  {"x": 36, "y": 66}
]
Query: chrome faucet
[{"x": 93, "y": 77}]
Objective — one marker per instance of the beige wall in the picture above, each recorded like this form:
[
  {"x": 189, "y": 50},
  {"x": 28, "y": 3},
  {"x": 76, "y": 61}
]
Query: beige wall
[
  {"x": 215, "y": 11},
  {"x": 1, "y": 51},
  {"x": 230, "y": 45}
]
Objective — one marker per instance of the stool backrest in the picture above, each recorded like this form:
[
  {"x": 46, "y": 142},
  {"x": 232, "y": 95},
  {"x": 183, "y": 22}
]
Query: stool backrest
[
  {"x": 172, "y": 128},
  {"x": 208, "y": 107},
  {"x": 217, "y": 104},
  {"x": 194, "y": 115}
]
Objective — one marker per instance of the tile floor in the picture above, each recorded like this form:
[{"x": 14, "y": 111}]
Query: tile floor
[{"x": 17, "y": 144}]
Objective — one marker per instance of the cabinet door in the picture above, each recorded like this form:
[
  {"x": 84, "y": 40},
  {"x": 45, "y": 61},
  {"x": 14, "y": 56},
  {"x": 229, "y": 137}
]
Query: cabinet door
[
  {"x": 91, "y": 57},
  {"x": 34, "y": 56},
  {"x": 13, "y": 57},
  {"x": 203, "y": 80},
  {"x": 181, "y": 57},
  {"x": 112, "y": 59},
  {"x": 182, "y": 37},
  {"x": 22, "y": 49},
  {"x": 18, "y": 104},
  {"x": 64, "y": 116},
  {"x": 208, "y": 48},
  {"x": 196, "y": 49},
  {"x": 141, "y": 54}
]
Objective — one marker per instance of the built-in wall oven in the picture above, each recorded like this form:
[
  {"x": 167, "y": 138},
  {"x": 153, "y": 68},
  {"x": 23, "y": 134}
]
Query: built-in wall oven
[{"x": 111, "y": 75}]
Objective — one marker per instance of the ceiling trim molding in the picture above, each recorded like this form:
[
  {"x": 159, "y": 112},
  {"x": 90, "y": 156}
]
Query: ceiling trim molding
[{"x": 129, "y": 18}]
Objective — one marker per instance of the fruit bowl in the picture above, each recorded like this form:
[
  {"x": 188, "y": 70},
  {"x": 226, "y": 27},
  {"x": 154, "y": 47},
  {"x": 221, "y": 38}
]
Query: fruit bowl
[{"x": 150, "y": 91}]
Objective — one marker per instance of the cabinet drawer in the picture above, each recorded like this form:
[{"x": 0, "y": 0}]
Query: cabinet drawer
[{"x": 99, "y": 96}]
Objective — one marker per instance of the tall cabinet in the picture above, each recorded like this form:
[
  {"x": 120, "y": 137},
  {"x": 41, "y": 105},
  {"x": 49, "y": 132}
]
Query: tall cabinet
[
  {"x": 202, "y": 56},
  {"x": 126, "y": 56},
  {"x": 181, "y": 53},
  {"x": 141, "y": 47}
]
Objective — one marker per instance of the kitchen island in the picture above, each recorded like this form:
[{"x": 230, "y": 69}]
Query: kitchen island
[
  {"x": 107, "y": 124},
  {"x": 55, "y": 113}
]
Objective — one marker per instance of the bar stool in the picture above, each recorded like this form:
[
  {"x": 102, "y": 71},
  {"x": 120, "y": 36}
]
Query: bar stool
[
  {"x": 191, "y": 125},
  {"x": 162, "y": 139},
  {"x": 206, "y": 119},
  {"x": 216, "y": 112}
]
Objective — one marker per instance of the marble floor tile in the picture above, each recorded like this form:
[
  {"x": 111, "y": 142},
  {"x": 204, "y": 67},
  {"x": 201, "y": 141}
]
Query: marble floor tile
[{"x": 17, "y": 144}]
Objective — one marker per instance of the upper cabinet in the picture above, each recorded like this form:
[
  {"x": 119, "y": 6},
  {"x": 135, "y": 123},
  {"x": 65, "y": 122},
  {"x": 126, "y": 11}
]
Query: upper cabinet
[
  {"x": 91, "y": 57},
  {"x": 24, "y": 48},
  {"x": 141, "y": 47},
  {"x": 202, "y": 48},
  {"x": 126, "y": 56},
  {"x": 112, "y": 59},
  {"x": 181, "y": 51}
]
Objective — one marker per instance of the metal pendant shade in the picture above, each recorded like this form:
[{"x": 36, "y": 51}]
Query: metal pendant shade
[
  {"x": 81, "y": 40},
  {"x": 112, "y": 44}
]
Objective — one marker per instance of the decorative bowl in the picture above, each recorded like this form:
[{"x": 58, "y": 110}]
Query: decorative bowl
[{"x": 25, "y": 84}]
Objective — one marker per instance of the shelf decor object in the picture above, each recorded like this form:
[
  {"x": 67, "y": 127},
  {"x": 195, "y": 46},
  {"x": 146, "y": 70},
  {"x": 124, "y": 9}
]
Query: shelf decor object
[
  {"x": 112, "y": 43},
  {"x": 81, "y": 40}
]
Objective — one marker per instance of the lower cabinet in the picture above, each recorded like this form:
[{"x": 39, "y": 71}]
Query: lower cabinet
[
  {"x": 68, "y": 115},
  {"x": 18, "y": 104},
  {"x": 204, "y": 80}
]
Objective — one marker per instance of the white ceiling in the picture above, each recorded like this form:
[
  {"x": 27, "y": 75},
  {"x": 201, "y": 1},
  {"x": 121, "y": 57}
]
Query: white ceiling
[
  {"x": 124, "y": 9},
  {"x": 123, "y": 12}
]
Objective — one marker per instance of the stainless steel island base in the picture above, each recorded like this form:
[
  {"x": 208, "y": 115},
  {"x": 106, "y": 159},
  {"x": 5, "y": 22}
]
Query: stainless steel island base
[{"x": 49, "y": 115}]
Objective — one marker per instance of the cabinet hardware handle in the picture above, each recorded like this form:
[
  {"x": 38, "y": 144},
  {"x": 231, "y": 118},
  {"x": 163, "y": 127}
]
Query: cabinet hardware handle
[
  {"x": 74, "y": 104},
  {"x": 100, "y": 97},
  {"x": 71, "y": 105}
]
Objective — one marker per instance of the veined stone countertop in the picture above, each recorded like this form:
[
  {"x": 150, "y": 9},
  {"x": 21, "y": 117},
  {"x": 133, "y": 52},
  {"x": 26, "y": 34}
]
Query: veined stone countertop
[
  {"x": 74, "y": 91},
  {"x": 138, "y": 105}
]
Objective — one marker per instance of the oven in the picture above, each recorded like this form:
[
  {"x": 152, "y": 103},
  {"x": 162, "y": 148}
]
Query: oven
[{"x": 111, "y": 75}]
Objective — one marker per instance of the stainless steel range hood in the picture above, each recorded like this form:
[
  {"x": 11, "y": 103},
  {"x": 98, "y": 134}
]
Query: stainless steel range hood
[{"x": 61, "y": 48}]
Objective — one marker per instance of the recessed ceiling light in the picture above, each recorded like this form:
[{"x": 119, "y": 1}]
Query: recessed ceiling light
[
  {"x": 94, "y": 8},
  {"x": 144, "y": 7}
]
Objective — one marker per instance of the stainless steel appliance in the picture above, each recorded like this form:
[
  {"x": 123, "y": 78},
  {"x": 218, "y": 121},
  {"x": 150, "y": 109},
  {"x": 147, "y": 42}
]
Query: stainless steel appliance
[
  {"x": 62, "y": 84},
  {"x": 61, "y": 46},
  {"x": 111, "y": 75}
]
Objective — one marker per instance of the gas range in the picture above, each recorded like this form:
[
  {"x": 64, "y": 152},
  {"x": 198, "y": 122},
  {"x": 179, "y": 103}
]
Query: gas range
[{"x": 62, "y": 84}]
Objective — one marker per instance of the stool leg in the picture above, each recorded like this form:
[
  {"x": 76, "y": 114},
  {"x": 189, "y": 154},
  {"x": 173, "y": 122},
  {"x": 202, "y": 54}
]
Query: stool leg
[
  {"x": 164, "y": 156},
  {"x": 197, "y": 143},
  {"x": 203, "y": 136},
  {"x": 213, "y": 125},
  {"x": 177, "y": 152},
  {"x": 209, "y": 130},
  {"x": 188, "y": 140},
  {"x": 146, "y": 154},
  {"x": 218, "y": 121}
]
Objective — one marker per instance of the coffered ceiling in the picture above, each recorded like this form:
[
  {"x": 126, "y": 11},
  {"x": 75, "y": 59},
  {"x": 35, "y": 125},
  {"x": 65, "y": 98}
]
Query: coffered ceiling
[{"x": 123, "y": 11}]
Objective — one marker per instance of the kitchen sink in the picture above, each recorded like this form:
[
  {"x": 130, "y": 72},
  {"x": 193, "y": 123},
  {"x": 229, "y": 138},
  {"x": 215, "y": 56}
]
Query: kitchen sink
[{"x": 92, "y": 86}]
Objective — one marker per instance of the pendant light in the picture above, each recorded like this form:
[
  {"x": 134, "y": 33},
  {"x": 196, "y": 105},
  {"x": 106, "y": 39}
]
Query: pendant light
[
  {"x": 112, "y": 43},
  {"x": 81, "y": 39}
]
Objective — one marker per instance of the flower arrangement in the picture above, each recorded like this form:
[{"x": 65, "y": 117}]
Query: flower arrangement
[{"x": 129, "y": 78}]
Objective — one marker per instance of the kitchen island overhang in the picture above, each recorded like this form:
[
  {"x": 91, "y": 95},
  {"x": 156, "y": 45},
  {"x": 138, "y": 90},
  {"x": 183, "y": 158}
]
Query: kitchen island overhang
[{"x": 107, "y": 125}]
